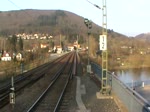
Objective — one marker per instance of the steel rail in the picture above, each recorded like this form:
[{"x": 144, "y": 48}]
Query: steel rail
[
  {"x": 22, "y": 76},
  {"x": 46, "y": 90},
  {"x": 71, "y": 73},
  {"x": 5, "y": 90}
]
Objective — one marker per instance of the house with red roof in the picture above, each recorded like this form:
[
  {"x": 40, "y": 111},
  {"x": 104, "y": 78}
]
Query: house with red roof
[{"x": 6, "y": 57}]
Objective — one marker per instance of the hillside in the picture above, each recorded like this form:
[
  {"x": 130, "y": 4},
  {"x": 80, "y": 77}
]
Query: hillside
[
  {"x": 143, "y": 37},
  {"x": 43, "y": 21},
  {"x": 69, "y": 25}
]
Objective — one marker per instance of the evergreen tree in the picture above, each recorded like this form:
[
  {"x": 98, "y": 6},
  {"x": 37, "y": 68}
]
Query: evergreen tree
[
  {"x": 13, "y": 42},
  {"x": 62, "y": 45},
  {"x": 51, "y": 44},
  {"x": 20, "y": 44}
]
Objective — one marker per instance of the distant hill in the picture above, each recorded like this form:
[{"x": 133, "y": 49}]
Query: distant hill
[
  {"x": 143, "y": 37},
  {"x": 53, "y": 22},
  {"x": 43, "y": 21},
  {"x": 69, "y": 25}
]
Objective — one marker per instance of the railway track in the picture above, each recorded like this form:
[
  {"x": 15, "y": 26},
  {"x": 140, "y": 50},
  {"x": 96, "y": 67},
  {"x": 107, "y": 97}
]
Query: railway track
[
  {"x": 25, "y": 80},
  {"x": 50, "y": 100}
]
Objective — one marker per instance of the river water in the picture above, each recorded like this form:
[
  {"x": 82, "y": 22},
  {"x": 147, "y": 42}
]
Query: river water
[{"x": 133, "y": 75}]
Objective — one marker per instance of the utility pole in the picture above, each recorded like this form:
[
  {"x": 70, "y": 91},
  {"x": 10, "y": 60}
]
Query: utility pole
[
  {"x": 77, "y": 42},
  {"x": 60, "y": 40},
  {"x": 103, "y": 48},
  {"x": 103, "y": 39},
  {"x": 88, "y": 24}
]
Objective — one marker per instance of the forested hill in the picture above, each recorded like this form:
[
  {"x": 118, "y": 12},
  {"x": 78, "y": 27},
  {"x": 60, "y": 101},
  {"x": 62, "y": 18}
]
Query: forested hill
[
  {"x": 143, "y": 37},
  {"x": 45, "y": 21}
]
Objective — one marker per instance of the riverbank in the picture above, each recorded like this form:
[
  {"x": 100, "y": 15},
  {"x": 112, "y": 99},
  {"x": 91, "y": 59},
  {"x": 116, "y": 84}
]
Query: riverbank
[
  {"x": 128, "y": 67},
  {"x": 113, "y": 65}
]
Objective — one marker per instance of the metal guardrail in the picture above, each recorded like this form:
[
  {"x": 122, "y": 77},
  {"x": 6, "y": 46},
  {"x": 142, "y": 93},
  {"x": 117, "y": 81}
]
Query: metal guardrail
[
  {"x": 138, "y": 83},
  {"x": 133, "y": 101},
  {"x": 97, "y": 70}
]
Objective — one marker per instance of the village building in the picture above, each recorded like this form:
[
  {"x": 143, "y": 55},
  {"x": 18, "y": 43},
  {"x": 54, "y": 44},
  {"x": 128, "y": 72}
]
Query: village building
[
  {"x": 19, "y": 57},
  {"x": 6, "y": 57},
  {"x": 44, "y": 45},
  {"x": 59, "y": 49},
  {"x": 70, "y": 48}
]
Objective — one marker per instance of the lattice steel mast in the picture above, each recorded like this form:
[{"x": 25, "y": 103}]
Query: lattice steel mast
[
  {"x": 104, "y": 85},
  {"x": 103, "y": 46}
]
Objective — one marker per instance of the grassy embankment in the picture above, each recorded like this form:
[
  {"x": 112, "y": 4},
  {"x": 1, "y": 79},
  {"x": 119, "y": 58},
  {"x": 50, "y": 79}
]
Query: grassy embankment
[
  {"x": 7, "y": 69},
  {"x": 132, "y": 61}
]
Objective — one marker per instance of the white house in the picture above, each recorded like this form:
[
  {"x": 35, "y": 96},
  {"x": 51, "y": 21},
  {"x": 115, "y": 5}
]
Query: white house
[
  {"x": 70, "y": 48},
  {"x": 59, "y": 50},
  {"x": 6, "y": 57},
  {"x": 19, "y": 56}
]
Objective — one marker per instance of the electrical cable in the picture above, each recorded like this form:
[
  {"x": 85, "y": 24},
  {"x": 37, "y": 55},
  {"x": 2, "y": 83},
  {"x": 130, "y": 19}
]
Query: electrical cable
[
  {"x": 14, "y": 4},
  {"x": 19, "y": 8},
  {"x": 94, "y": 4}
]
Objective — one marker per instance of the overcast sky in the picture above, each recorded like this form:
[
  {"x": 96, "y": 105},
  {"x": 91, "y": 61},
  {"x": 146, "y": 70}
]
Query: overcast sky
[{"x": 129, "y": 17}]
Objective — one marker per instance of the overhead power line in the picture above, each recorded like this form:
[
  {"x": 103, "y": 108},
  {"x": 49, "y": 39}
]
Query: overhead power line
[
  {"x": 14, "y": 4},
  {"x": 94, "y": 5},
  {"x": 19, "y": 8}
]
